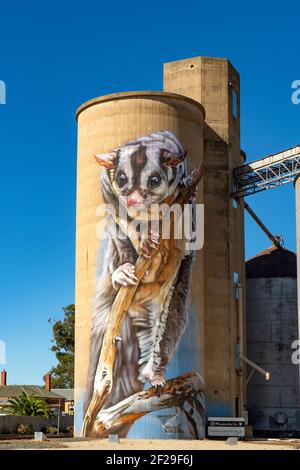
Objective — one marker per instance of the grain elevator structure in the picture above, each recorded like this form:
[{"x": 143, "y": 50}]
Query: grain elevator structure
[
  {"x": 216, "y": 85},
  {"x": 132, "y": 146}
]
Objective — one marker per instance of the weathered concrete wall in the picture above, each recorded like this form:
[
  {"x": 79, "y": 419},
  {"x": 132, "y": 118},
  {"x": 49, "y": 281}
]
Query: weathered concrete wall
[
  {"x": 272, "y": 326},
  {"x": 9, "y": 424},
  {"x": 212, "y": 82},
  {"x": 103, "y": 125}
]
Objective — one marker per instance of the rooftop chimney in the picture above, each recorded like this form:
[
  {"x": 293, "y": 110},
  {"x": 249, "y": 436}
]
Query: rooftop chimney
[
  {"x": 3, "y": 377},
  {"x": 48, "y": 382}
]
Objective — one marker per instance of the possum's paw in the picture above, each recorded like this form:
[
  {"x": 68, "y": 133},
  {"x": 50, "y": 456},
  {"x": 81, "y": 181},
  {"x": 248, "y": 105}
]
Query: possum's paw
[
  {"x": 124, "y": 275},
  {"x": 158, "y": 380},
  {"x": 155, "y": 377},
  {"x": 149, "y": 242}
]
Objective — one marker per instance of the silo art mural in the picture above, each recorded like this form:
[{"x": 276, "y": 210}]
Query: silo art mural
[{"x": 144, "y": 374}]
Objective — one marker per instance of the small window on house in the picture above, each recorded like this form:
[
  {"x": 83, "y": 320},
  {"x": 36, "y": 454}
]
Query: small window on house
[{"x": 234, "y": 103}]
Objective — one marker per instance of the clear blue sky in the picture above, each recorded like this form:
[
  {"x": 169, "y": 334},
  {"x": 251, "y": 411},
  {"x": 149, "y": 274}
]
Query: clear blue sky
[{"x": 55, "y": 55}]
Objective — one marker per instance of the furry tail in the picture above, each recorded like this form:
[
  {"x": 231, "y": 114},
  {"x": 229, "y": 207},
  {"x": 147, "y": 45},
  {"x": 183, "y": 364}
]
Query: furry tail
[{"x": 177, "y": 309}]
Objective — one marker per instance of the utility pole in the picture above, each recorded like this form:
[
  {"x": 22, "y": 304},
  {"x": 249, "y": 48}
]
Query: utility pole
[{"x": 58, "y": 417}]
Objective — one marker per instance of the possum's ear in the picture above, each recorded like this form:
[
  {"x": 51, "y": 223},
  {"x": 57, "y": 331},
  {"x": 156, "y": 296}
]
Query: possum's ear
[
  {"x": 108, "y": 160},
  {"x": 172, "y": 159}
]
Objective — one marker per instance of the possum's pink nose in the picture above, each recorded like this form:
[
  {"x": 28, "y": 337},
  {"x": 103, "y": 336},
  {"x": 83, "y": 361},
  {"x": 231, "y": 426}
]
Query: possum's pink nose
[{"x": 132, "y": 201}]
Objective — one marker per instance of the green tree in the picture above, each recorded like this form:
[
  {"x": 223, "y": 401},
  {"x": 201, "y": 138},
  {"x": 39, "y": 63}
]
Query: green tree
[
  {"x": 29, "y": 405},
  {"x": 64, "y": 346}
]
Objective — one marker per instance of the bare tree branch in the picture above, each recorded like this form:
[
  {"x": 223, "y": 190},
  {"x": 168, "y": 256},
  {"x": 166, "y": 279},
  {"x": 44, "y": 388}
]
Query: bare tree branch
[{"x": 174, "y": 394}]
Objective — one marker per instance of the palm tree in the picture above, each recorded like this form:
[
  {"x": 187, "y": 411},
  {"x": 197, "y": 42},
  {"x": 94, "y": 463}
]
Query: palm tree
[{"x": 29, "y": 405}]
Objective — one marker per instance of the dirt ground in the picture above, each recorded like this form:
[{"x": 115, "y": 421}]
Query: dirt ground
[{"x": 140, "y": 444}]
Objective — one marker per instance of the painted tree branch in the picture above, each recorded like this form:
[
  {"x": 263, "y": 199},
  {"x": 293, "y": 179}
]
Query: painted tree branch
[
  {"x": 104, "y": 374},
  {"x": 174, "y": 394}
]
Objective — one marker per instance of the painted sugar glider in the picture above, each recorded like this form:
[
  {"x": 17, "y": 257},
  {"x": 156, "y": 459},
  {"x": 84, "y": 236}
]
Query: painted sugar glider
[{"x": 141, "y": 173}]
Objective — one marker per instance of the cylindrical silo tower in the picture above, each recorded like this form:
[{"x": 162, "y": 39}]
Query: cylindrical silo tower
[
  {"x": 272, "y": 327},
  {"x": 133, "y": 149}
]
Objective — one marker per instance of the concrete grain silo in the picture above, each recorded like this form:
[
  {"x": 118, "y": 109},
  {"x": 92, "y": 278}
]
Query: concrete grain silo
[
  {"x": 215, "y": 83},
  {"x": 121, "y": 128},
  {"x": 214, "y": 337},
  {"x": 272, "y": 327}
]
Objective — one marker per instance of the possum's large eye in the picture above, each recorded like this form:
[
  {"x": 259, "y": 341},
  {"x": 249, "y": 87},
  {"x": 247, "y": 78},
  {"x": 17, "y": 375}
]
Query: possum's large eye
[
  {"x": 154, "y": 180},
  {"x": 121, "y": 179}
]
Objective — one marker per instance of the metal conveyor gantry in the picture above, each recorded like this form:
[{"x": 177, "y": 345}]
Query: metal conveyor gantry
[{"x": 266, "y": 173}]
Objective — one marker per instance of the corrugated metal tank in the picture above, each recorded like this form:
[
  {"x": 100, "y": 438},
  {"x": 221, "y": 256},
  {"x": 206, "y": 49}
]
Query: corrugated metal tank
[
  {"x": 272, "y": 327},
  {"x": 104, "y": 124}
]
